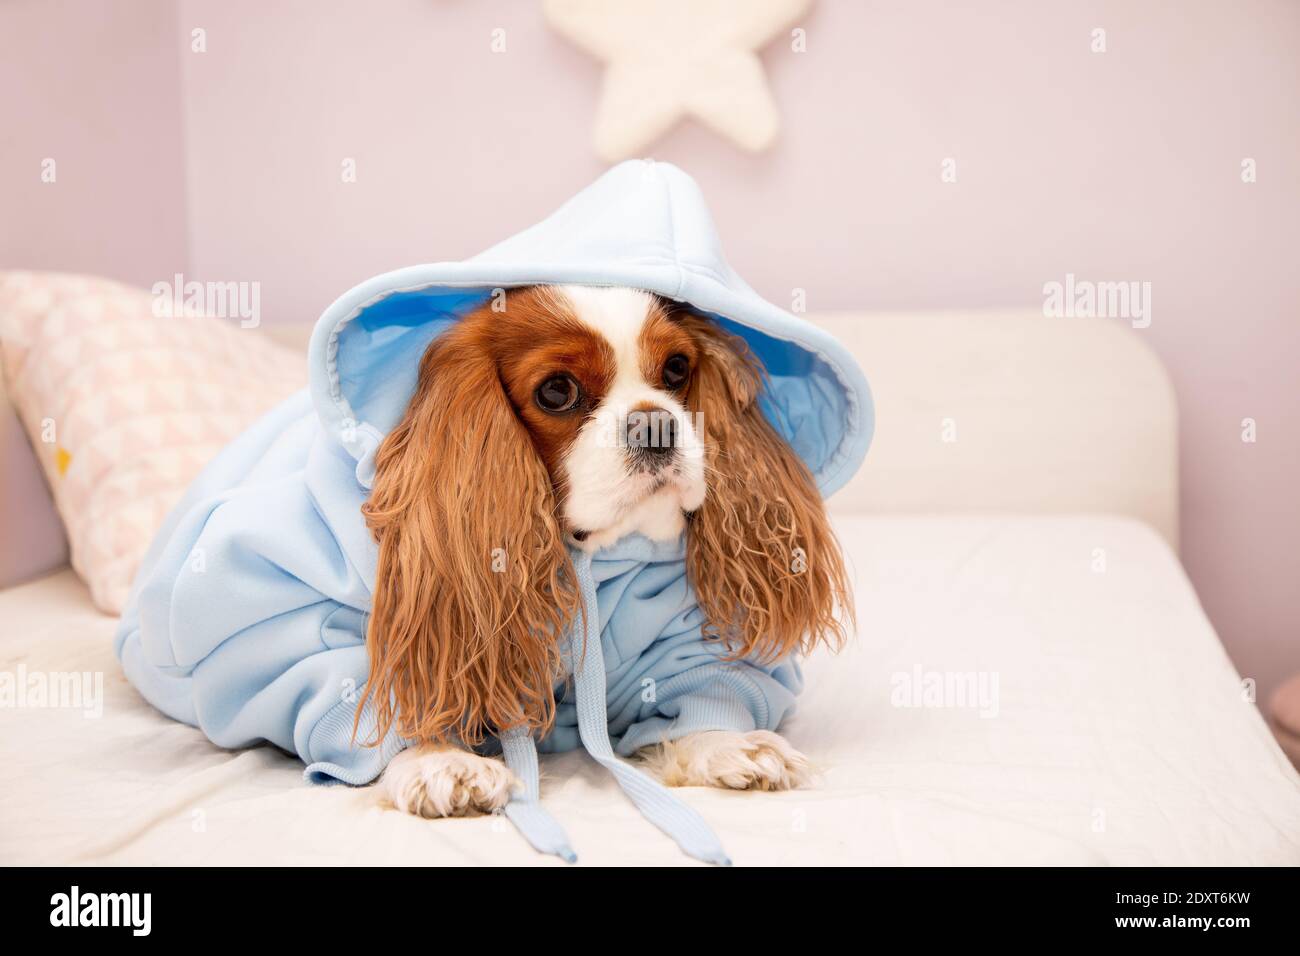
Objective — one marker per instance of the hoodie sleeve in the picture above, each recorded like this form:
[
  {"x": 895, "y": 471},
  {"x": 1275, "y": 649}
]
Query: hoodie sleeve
[
  {"x": 251, "y": 626},
  {"x": 735, "y": 696},
  {"x": 681, "y": 685}
]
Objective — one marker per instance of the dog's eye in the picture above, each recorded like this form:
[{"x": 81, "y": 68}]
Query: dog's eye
[
  {"x": 676, "y": 370},
  {"x": 559, "y": 393}
]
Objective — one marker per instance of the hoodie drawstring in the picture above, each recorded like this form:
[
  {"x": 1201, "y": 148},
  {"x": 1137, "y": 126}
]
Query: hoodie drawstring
[
  {"x": 525, "y": 812},
  {"x": 652, "y": 798}
]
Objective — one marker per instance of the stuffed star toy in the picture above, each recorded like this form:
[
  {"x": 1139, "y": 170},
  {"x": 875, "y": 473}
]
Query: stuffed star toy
[{"x": 666, "y": 59}]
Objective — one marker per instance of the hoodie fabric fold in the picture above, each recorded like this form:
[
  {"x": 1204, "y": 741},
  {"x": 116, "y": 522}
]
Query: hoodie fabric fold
[{"x": 248, "y": 616}]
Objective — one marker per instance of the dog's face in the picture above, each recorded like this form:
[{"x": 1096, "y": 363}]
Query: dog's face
[
  {"x": 600, "y": 379},
  {"x": 571, "y": 416}
]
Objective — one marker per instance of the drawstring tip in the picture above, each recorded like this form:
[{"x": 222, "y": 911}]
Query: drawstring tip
[
  {"x": 717, "y": 857},
  {"x": 568, "y": 856}
]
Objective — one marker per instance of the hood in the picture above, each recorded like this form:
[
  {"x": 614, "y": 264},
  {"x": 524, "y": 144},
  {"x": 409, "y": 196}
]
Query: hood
[{"x": 642, "y": 224}]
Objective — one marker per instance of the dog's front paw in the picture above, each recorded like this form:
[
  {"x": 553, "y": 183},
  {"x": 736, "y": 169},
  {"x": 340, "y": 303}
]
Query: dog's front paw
[
  {"x": 758, "y": 760},
  {"x": 441, "y": 781}
]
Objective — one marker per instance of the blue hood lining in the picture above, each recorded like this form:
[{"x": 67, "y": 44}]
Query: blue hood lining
[{"x": 365, "y": 369}]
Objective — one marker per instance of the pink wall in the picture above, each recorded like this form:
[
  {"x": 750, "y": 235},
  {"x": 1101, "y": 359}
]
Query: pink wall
[
  {"x": 97, "y": 92},
  {"x": 1116, "y": 166}
]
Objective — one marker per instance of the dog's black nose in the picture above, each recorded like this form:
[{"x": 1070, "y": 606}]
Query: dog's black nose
[{"x": 651, "y": 433}]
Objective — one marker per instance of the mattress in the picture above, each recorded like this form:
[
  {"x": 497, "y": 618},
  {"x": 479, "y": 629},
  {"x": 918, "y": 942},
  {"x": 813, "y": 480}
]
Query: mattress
[{"x": 1037, "y": 690}]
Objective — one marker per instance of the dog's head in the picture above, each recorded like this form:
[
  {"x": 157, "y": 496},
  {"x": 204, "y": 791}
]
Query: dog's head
[{"x": 571, "y": 416}]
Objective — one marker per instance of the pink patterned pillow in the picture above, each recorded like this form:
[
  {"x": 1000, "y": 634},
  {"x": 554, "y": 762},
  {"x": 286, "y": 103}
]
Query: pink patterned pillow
[{"x": 124, "y": 408}]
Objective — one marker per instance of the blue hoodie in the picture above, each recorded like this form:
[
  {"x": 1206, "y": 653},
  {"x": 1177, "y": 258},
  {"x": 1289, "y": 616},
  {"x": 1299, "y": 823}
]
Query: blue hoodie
[{"x": 248, "y": 616}]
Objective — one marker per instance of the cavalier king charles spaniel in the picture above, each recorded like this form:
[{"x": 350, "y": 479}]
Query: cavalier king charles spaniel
[{"x": 570, "y": 418}]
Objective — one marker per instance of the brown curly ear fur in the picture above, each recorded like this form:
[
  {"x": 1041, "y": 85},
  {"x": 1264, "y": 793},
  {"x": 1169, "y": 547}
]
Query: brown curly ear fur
[
  {"x": 760, "y": 553},
  {"x": 474, "y": 584}
]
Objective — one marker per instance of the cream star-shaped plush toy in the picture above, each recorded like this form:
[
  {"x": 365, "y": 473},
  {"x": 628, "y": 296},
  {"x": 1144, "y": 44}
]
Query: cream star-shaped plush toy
[{"x": 666, "y": 59}]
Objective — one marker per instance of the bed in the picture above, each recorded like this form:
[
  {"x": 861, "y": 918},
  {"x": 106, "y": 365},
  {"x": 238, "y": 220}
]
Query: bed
[{"x": 1033, "y": 680}]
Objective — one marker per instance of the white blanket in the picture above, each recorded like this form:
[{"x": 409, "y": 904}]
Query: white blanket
[{"x": 1111, "y": 729}]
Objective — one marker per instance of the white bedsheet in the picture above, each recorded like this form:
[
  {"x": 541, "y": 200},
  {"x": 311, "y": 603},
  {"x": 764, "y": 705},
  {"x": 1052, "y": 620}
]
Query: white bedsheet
[{"x": 1120, "y": 734}]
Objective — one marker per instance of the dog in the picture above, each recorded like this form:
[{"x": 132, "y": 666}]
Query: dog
[{"x": 569, "y": 418}]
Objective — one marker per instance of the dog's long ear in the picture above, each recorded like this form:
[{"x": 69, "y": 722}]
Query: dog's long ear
[
  {"x": 761, "y": 555},
  {"x": 474, "y": 585}
]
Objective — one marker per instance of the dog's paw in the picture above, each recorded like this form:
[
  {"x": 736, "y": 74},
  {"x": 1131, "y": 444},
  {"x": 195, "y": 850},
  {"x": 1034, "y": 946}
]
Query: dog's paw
[
  {"x": 758, "y": 760},
  {"x": 440, "y": 781}
]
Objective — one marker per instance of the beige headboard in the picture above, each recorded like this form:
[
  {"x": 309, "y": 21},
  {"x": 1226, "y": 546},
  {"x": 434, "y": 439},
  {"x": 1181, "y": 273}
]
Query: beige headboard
[
  {"x": 999, "y": 411},
  {"x": 1008, "y": 411}
]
